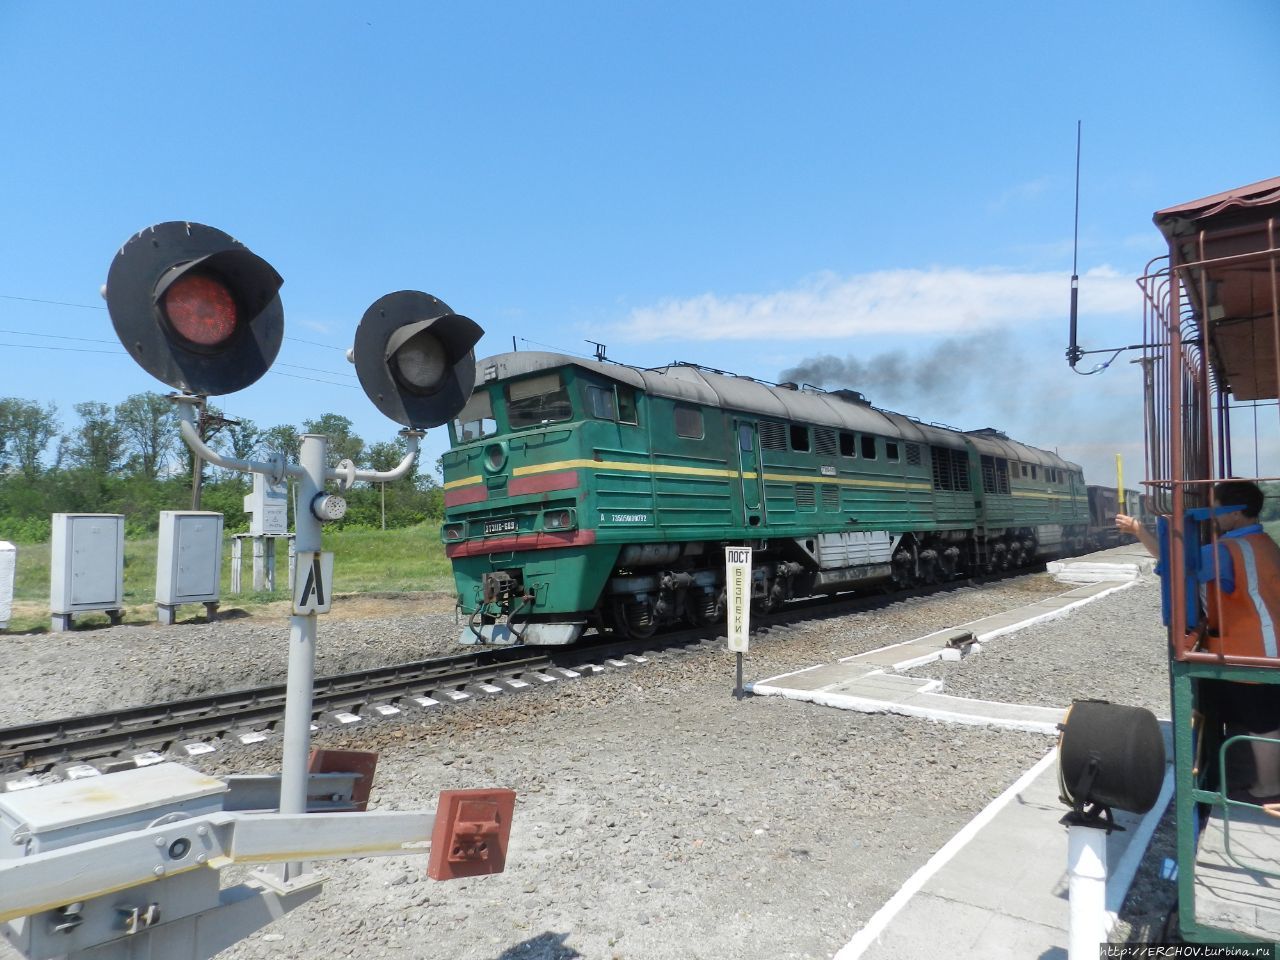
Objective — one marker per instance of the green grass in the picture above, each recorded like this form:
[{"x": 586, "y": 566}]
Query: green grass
[{"x": 365, "y": 561}]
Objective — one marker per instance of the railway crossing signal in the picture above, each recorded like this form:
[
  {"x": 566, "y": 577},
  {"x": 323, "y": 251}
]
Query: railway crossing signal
[
  {"x": 415, "y": 358},
  {"x": 201, "y": 312},
  {"x": 196, "y": 308}
]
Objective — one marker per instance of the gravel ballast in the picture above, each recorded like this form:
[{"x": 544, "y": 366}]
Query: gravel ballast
[{"x": 657, "y": 817}]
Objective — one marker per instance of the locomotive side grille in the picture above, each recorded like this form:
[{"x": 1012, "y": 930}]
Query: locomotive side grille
[
  {"x": 941, "y": 468},
  {"x": 995, "y": 475},
  {"x": 773, "y": 436},
  {"x": 806, "y": 498},
  {"x": 830, "y": 497},
  {"x": 824, "y": 442},
  {"x": 988, "y": 475},
  {"x": 950, "y": 469},
  {"x": 913, "y": 454}
]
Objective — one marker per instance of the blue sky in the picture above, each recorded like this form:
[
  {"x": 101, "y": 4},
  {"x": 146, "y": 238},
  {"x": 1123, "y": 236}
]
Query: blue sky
[{"x": 747, "y": 186}]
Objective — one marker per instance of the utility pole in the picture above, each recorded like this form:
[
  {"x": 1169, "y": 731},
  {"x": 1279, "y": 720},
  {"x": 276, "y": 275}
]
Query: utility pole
[{"x": 208, "y": 424}]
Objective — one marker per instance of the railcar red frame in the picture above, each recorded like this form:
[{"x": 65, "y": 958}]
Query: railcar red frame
[{"x": 1212, "y": 332}]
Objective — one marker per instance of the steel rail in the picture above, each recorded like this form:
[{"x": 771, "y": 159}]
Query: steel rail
[
  {"x": 91, "y": 736},
  {"x": 35, "y": 747}
]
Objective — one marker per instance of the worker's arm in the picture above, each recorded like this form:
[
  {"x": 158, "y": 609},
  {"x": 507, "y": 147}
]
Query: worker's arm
[{"x": 1127, "y": 524}]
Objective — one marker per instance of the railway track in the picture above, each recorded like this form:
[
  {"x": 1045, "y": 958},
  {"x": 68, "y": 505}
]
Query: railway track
[{"x": 254, "y": 714}]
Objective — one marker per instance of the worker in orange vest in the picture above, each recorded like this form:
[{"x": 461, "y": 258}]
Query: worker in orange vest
[{"x": 1242, "y": 603}]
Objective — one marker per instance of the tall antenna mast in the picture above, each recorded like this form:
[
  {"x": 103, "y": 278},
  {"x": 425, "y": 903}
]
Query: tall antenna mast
[{"x": 1074, "y": 353}]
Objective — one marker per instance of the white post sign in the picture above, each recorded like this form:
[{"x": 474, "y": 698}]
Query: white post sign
[
  {"x": 738, "y": 581},
  {"x": 312, "y": 582}
]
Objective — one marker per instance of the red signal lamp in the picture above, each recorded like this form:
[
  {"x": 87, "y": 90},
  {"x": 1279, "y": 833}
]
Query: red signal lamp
[
  {"x": 200, "y": 309},
  {"x": 195, "y": 307}
]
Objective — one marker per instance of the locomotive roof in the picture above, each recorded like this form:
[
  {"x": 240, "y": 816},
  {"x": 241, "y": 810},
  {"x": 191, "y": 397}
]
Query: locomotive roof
[{"x": 698, "y": 385}]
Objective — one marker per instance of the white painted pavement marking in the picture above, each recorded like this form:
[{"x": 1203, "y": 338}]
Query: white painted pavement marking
[{"x": 870, "y": 933}]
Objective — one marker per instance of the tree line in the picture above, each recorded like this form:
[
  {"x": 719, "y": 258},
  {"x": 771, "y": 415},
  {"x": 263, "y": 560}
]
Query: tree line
[{"x": 129, "y": 459}]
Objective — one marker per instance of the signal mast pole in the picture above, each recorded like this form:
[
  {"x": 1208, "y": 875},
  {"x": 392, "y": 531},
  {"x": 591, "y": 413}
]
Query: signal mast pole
[{"x": 311, "y": 578}]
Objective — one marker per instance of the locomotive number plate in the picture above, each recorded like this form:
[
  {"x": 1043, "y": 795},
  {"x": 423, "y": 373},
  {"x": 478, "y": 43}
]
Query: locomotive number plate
[{"x": 506, "y": 525}]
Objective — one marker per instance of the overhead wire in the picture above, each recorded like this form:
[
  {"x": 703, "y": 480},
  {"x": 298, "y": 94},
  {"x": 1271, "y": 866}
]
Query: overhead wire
[{"x": 94, "y": 306}]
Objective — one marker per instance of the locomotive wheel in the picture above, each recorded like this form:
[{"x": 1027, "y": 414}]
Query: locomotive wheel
[
  {"x": 627, "y": 626},
  {"x": 702, "y": 609}
]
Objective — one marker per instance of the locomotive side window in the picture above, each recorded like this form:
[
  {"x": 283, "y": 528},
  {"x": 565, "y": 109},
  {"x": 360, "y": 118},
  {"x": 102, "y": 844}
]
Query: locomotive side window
[
  {"x": 847, "y": 447},
  {"x": 600, "y": 401},
  {"x": 746, "y": 437},
  {"x": 688, "y": 422},
  {"x": 627, "y": 412},
  {"x": 868, "y": 447},
  {"x": 1033, "y": 473},
  {"x": 475, "y": 420},
  {"x": 799, "y": 438},
  {"x": 537, "y": 400},
  {"x": 1024, "y": 469},
  {"x": 891, "y": 451}
]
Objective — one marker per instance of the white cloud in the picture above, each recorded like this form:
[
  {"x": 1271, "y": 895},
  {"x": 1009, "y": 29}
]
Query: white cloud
[{"x": 937, "y": 301}]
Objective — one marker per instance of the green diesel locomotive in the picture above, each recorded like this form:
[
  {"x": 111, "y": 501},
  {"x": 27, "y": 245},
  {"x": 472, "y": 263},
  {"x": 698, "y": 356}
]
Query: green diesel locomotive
[{"x": 582, "y": 493}]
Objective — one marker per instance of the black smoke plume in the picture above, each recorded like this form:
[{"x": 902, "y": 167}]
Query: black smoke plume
[{"x": 918, "y": 379}]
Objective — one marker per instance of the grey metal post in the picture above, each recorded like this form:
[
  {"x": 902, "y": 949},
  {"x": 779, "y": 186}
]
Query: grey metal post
[
  {"x": 302, "y": 645},
  {"x": 269, "y": 555},
  {"x": 257, "y": 564},
  {"x": 237, "y": 560}
]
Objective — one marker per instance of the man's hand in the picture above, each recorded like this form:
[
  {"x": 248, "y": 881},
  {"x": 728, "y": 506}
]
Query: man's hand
[
  {"x": 1127, "y": 524},
  {"x": 1134, "y": 527}
]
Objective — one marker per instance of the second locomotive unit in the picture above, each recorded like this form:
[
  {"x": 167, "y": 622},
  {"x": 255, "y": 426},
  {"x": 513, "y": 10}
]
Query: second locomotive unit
[{"x": 583, "y": 493}]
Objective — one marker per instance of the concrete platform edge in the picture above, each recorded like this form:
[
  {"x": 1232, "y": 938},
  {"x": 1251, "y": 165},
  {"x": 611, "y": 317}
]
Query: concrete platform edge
[
  {"x": 880, "y": 920},
  {"x": 868, "y": 705}
]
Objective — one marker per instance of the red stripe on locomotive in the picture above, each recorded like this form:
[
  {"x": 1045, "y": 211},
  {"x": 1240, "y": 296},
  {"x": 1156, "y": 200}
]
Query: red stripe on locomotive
[
  {"x": 542, "y": 483},
  {"x": 472, "y": 494},
  {"x": 540, "y": 540}
]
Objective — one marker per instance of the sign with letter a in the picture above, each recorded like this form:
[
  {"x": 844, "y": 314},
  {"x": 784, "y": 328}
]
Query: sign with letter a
[
  {"x": 312, "y": 582},
  {"x": 738, "y": 589}
]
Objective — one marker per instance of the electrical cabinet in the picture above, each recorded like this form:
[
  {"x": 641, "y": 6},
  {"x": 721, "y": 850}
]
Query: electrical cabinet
[
  {"x": 8, "y": 572},
  {"x": 189, "y": 560},
  {"x": 86, "y": 566},
  {"x": 269, "y": 506}
]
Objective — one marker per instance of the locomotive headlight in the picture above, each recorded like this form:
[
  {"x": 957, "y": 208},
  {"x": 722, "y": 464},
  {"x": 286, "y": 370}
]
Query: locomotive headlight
[
  {"x": 558, "y": 520},
  {"x": 495, "y": 457},
  {"x": 454, "y": 531}
]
